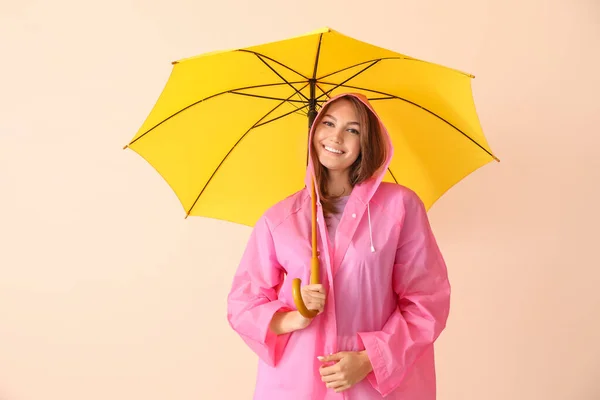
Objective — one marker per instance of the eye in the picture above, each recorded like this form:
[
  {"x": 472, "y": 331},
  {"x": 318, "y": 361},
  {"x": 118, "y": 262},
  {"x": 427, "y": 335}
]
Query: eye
[
  {"x": 328, "y": 123},
  {"x": 353, "y": 131}
]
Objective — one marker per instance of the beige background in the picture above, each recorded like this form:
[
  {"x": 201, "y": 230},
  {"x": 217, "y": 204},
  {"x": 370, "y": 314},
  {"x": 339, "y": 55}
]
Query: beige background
[{"x": 106, "y": 292}]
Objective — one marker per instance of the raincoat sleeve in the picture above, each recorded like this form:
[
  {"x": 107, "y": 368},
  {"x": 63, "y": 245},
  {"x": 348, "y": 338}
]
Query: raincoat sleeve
[
  {"x": 253, "y": 298},
  {"x": 423, "y": 294}
]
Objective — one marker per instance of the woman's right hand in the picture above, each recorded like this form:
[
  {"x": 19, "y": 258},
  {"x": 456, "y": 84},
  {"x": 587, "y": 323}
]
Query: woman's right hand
[
  {"x": 288, "y": 321},
  {"x": 314, "y": 299}
]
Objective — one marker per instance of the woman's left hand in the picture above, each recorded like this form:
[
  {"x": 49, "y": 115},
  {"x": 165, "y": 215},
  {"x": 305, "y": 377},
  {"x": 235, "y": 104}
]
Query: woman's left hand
[{"x": 349, "y": 368}]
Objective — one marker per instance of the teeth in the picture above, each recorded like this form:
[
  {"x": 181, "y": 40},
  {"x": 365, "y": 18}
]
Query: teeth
[{"x": 333, "y": 150}]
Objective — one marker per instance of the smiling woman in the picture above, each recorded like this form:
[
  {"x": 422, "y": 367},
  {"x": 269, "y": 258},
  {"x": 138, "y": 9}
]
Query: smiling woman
[{"x": 384, "y": 297}]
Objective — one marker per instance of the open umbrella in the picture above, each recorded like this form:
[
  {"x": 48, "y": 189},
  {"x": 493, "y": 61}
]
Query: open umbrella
[{"x": 228, "y": 133}]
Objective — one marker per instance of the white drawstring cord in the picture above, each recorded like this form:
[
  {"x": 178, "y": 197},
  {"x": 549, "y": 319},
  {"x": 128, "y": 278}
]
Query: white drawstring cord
[{"x": 370, "y": 229}]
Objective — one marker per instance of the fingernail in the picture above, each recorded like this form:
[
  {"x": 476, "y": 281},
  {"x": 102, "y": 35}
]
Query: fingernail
[{"x": 320, "y": 358}]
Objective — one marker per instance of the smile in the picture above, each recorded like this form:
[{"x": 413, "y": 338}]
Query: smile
[{"x": 332, "y": 150}]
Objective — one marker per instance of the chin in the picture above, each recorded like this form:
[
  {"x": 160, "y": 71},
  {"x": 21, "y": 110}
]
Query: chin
[{"x": 332, "y": 166}]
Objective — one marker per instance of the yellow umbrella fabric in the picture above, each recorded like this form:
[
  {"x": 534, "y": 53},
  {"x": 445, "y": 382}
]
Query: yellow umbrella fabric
[{"x": 229, "y": 131}]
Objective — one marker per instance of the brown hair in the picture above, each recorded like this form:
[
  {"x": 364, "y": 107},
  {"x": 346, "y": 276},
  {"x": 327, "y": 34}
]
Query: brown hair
[{"x": 373, "y": 153}]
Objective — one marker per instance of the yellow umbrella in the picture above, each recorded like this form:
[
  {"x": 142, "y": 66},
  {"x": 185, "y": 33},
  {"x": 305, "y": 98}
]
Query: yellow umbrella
[{"x": 229, "y": 131}]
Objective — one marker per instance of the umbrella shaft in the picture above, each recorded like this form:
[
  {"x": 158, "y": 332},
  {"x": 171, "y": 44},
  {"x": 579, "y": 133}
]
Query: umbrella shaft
[{"x": 312, "y": 102}]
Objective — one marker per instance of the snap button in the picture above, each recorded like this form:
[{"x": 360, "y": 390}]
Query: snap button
[{"x": 353, "y": 215}]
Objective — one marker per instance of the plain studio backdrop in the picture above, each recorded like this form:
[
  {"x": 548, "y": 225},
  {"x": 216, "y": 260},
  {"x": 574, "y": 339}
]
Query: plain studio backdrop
[{"x": 106, "y": 291}]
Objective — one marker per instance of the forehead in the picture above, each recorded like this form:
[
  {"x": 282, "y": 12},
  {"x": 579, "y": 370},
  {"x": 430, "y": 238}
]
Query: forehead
[{"x": 342, "y": 108}]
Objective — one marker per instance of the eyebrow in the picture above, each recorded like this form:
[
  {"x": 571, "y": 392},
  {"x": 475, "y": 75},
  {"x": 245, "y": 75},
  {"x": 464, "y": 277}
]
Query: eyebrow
[{"x": 335, "y": 119}]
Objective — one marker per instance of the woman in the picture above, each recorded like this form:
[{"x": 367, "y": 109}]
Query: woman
[{"x": 384, "y": 297}]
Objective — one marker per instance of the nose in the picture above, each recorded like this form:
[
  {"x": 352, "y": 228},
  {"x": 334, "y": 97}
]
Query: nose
[{"x": 337, "y": 136}]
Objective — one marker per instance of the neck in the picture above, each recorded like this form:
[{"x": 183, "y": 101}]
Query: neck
[{"x": 338, "y": 183}]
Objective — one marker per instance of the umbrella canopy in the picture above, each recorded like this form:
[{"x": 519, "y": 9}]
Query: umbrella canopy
[{"x": 229, "y": 131}]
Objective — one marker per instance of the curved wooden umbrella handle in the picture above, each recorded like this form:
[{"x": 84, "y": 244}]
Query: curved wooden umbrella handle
[
  {"x": 297, "y": 295},
  {"x": 314, "y": 268}
]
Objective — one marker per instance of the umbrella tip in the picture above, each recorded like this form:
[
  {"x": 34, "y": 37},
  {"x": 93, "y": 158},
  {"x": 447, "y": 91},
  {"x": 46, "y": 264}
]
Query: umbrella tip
[{"x": 126, "y": 146}]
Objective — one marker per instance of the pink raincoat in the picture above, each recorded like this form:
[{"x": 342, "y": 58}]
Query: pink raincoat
[{"x": 387, "y": 292}]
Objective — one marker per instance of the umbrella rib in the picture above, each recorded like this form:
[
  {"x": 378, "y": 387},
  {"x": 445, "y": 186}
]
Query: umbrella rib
[
  {"x": 279, "y": 117},
  {"x": 203, "y": 100},
  {"x": 256, "y": 124},
  {"x": 393, "y": 97},
  {"x": 324, "y": 92},
  {"x": 395, "y": 59},
  {"x": 259, "y": 55},
  {"x": 393, "y": 176},
  {"x": 301, "y": 111},
  {"x": 312, "y": 105},
  {"x": 318, "y": 55},
  {"x": 362, "y": 63},
  {"x": 352, "y": 77},
  {"x": 269, "y": 97},
  {"x": 280, "y": 77}
]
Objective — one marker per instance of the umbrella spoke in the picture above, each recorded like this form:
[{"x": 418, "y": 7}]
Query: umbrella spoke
[
  {"x": 255, "y": 125},
  {"x": 387, "y": 59},
  {"x": 383, "y": 98},
  {"x": 297, "y": 110},
  {"x": 315, "y": 80},
  {"x": 270, "y": 97},
  {"x": 389, "y": 96},
  {"x": 392, "y": 174},
  {"x": 324, "y": 94},
  {"x": 349, "y": 79},
  {"x": 362, "y": 63},
  {"x": 317, "y": 56},
  {"x": 260, "y": 57},
  {"x": 230, "y": 91}
]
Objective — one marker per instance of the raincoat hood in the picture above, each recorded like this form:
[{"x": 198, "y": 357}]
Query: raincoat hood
[{"x": 365, "y": 190}]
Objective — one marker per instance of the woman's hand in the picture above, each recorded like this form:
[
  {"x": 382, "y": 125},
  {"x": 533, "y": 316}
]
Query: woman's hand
[
  {"x": 349, "y": 368},
  {"x": 314, "y": 299},
  {"x": 288, "y": 321}
]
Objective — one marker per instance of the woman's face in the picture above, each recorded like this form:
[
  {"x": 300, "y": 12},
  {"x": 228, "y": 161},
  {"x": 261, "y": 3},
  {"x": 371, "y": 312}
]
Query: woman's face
[{"x": 337, "y": 137}]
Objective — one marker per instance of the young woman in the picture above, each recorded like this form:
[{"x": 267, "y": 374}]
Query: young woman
[{"x": 384, "y": 297}]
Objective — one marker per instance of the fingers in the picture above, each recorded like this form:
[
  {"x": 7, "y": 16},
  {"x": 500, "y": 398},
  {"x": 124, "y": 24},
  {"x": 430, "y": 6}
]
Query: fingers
[
  {"x": 332, "y": 357},
  {"x": 328, "y": 371},
  {"x": 342, "y": 388},
  {"x": 314, "y": 297},
  {"x": 337, "y": 385},
  {"x": 315, "y": 305},
  {"x": 336, "y": 381},
  {"x": 335, "y": 376},
  {"x": 331, "y": 378},
  {"x": 313, "y": 300},
  {"x": 314, "y": 288}
]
